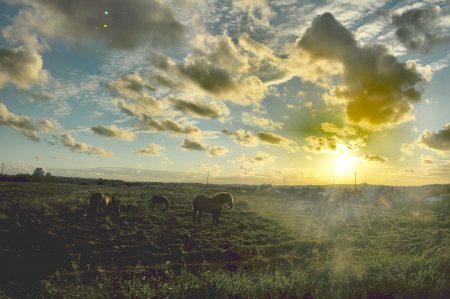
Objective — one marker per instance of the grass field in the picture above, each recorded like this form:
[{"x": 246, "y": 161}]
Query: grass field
[{"x": 288, "y": 244}]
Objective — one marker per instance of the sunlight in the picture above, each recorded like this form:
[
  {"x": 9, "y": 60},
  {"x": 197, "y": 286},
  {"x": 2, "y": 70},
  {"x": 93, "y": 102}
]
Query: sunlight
[{"x": 343, "y": 165}]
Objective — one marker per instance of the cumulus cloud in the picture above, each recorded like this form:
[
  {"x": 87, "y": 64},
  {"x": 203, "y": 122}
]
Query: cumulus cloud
[
  {"x": 202, "y": 109},
  {"x": 419, "y": 28},
  {"x": 119, "y": 24},
  {"x": 277, "y": 140},
  {"x": 375, "y": 158},
  {"x": 439, "y": 142},
  {"x": 242, "y": 137},
  {"x": 152, "y": 149},
  {"x": 23, "y": 124},
  {"x": 262, "y": 122},
  {"x": 160, "y": 125},
  {"x": 140, "y": 106},
  {"x": 196, "y": 145},
  {"x": 130, "y": 86},
  {"x": 22, "y": 66},
  {"x": 250, "y": 139},
  {"x": 113, "y": 131},
  {"x": 378, "y": 91},
  {"x": 70, "y": 142},
  {"x": 347, "y": 138},
  {"x": 218, "y": 68}
]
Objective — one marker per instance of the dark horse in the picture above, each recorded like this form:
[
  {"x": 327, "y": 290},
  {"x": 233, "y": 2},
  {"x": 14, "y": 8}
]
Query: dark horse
[
  {"x": 98, "y": 202},
  {"x": 211, "y": 204},
  {"x": 160, "y": 200}
]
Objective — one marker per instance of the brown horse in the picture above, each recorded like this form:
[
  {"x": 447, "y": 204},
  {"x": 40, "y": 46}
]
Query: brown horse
[
  {"x": 160, "y": 200},
  {"x": 211, "y": 204},
  {"x": 98, "y": 202}
]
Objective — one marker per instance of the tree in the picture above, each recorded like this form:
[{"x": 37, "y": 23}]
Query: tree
[{"x": 38, "y": 172}]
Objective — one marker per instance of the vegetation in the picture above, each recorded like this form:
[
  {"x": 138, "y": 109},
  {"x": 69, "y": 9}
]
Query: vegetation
[{"x": 293, "y": 243}]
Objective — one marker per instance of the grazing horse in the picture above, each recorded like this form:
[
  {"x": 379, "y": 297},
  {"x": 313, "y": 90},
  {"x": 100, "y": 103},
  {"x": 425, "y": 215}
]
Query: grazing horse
[
  {"x": 211, "y": 204},
  {"x": 98, "y": 202},
  {"x": 160, "y": 200}
]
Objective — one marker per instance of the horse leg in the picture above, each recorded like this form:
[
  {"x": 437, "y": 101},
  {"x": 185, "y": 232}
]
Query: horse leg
[
  {"x": 200, "y": 216},
  {"x": 217, "y": 218}
]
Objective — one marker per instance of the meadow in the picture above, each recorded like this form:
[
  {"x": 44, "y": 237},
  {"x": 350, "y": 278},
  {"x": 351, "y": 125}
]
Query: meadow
[{"x": 389, "y": 242}]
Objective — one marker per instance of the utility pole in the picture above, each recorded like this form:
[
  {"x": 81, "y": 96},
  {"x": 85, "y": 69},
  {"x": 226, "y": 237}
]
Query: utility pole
[{"x": 207, "y": 179}]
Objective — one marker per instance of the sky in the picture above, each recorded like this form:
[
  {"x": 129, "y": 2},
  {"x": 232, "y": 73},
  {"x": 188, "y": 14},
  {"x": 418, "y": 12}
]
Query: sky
[{"x": 249, "y": 91}]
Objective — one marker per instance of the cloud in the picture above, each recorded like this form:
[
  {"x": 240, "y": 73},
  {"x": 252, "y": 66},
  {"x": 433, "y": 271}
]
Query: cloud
[
  {"x": 375, "y": 158},
  {"x": 250, "y": 139},
  {"x": 160, "y": 125},
  {"x": 438, "y": 142},
  {"x": 419, "y": 28},
  {"x": 113, "y": 131},
  {"x": 195, "y": 145},
  {"x": 259, "y": 11},
  {"x": 130, "y": 86},
  {"x": 277, "y": 140},
  {"x": 202, "y": 109},
  {"x": 407, "y": 149},
  {"x": 262, "y": 122},
  {"x": 140, "y": 106},
  {"x": 426, "y": 160},
  {"x": 218, "y": 68},
  {"x": 152, "y": 149},
  {"x": 70, "y": 142},
  {"x": 319, "y": 144},
  {"x": 242, "y": 137},
  {"x": 23, "y": 124},
  {"x": 347, "y": 138},
  {"x": 377, "y": 91},
  {"x": 259, "y": 158},
  {"x": 22, "y": 66},
  {"x": 119, "y": 24}
]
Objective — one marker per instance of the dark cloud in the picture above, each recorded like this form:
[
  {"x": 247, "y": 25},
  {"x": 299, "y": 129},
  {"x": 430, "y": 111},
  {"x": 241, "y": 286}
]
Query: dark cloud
[
  {"x": 195, "y": 145},
  {"x": 113, "y": 131},
  {"x": 201, "y": 109},
  {"x": 375, "y": 158},
  {"x": 439, "y": 142},
  {"x": 126, "y": 24},
  {"x": 419, "y": 28},
  {"x": 23, "y": 124},
  {"x": 378, "y": 90},
  {"x": 70, "y": 142}
]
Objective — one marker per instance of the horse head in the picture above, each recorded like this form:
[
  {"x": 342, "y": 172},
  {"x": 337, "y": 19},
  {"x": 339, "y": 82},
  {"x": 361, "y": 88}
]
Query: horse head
[{"x": 229, "y": 200}]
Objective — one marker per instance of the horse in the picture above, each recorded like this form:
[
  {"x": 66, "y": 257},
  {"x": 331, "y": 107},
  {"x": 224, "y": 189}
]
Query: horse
[
  {"x": 211, "y": 204},
  {"x": 98, "y": 202},
  {"x": 160, "y": 200}
]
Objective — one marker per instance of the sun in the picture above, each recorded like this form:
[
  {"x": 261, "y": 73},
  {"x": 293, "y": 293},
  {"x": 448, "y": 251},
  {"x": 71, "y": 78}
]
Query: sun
[{"x": 343, "y": 164}]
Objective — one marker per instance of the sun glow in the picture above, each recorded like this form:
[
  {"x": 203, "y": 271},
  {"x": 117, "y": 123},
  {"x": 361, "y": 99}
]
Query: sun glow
[{"x": 343, "y": 165}]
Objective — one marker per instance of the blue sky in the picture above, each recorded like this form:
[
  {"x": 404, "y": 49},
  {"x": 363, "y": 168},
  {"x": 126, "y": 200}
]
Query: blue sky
[{"x": 250, "y": 91}]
